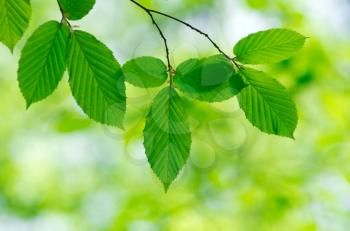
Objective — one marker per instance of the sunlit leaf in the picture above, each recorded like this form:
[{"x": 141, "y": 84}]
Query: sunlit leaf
[
  {"x": 14, "y": 20},
  {"x": 268, "y": 46},
  {"x": 145, "y": 72},
  {"x": 76, "y": 9},
  {"x": 43, "y": 61},
  {"x": 210, "y": 79},
  {"x": 96, "y": 79},
  {"x": 167, "y": 137},
  {"x": 267, "y": 104}
]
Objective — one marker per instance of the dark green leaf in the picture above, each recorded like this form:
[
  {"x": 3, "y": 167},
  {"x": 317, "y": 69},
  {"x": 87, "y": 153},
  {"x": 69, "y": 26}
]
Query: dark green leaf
[
  {"x": 14, "y": 20},
  {"x": 43, "y": 61},
  {"x": 268, "y": 46},
  {"x": 167, "y": 137},
  {"x": 210, "y": 79},
  {"x": 267, "y": 104},
  {"x": 96, "y": 79},
  {"x": 76, "y": 9},
  {"x": 145, "y": 72}
]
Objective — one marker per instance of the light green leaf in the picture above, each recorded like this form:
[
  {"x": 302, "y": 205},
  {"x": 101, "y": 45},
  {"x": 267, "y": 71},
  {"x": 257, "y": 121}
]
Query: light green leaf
[
  {"x": 14, "y": 20},
  {"x": 210, "y": 79},
  {"x": 76, "y": 9},
  {"x": 43, "y": 61},
  {"x": 145, "y": 72},
  {"x": 269, "y": 46},
  {"x": 267, "y": 104},
  {"x": 96, "y": 79},
  {"x": 167, "y": 137}
]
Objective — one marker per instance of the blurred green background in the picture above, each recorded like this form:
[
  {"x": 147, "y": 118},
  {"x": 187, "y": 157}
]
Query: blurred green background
[{"x": 60, "y": 171}]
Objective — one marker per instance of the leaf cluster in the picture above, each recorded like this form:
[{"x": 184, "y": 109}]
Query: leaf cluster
[{"x": 97, "y": 80}]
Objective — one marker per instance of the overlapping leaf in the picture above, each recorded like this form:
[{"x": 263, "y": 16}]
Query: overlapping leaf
[
  {"x": 76, "y": 9},
  {"x": 211, "y": 79},
  {"x": 145, "y": 72},
  {"x": 167, "y": 137},
  {"x": 267, "y": 104},
  {"x": 268, "y": 46},
  {"x": 96, "y": 79},
  {"x": 43, "y": 61},
  {"x": 14, "y": 20}
]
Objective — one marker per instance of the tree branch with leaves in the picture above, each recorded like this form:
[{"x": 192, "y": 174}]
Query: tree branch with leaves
[{"x": 97, "y": 80}]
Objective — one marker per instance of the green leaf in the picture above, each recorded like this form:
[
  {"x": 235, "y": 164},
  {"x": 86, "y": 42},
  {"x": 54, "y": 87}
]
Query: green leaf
[
  {"x": 167, "y": 137},
  {"x": 145, "y": 72},
  {"x": 76, "y": 9},
  {"x": 267, "y": 104},
  {"x": 43, "y": 61},
  {"x": 96, "y": 79},
  {"x": 210, "y": 79},
  {"x": 269, "y": 46},
  {"x": 14, "y": 20}
]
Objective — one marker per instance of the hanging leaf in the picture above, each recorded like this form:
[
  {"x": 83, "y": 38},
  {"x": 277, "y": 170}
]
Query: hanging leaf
[
  {"x": 145, "y": 72},
  {"x": 96, "y": 79},
  {"x": 14, "y": 20},
  {"x": 167, "y": 137},
  {"x": 269, "y": 46},
  {"x": 76, "y": 9},
  {"x": 267, "y": 104},
  {"x": 43, "y": 61},
  {"x": 210, "y": 79}
]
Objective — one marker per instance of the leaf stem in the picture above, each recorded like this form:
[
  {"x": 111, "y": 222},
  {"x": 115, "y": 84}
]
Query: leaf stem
[
  {"x": 64, "y": 19},
  {"x": 150, "y": 11}
]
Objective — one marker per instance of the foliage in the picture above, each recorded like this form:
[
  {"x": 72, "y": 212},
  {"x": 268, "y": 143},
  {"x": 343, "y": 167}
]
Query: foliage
[
  {"x": 76, "y": 9},
  {"x": 43, "y": 61},
  {"x": 14, "y": 19},
  {"x": 268, "y": 46},
  {"x": 61, "y": 170},
  {"x": 97, "y": 80},
  {"x": 145, "y": 72},
  {"x": 195, "y": 78},
  {"x": 167, "y": 136}
]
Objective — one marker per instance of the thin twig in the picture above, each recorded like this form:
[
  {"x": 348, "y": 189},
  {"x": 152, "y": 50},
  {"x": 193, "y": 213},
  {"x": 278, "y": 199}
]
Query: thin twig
[
  {"x": 149, "y": 12},
  {"x": 193, "y": 28}
]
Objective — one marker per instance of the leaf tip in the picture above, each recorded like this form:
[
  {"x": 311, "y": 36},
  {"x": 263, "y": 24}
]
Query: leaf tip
[
  {"x": 11, "y": 48},
  {"x": 166, "y": 186},
  {"x": 289, "y": 135},
  {"x": 28, "y": 104},
  {"x": 292, "y": 137}
]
